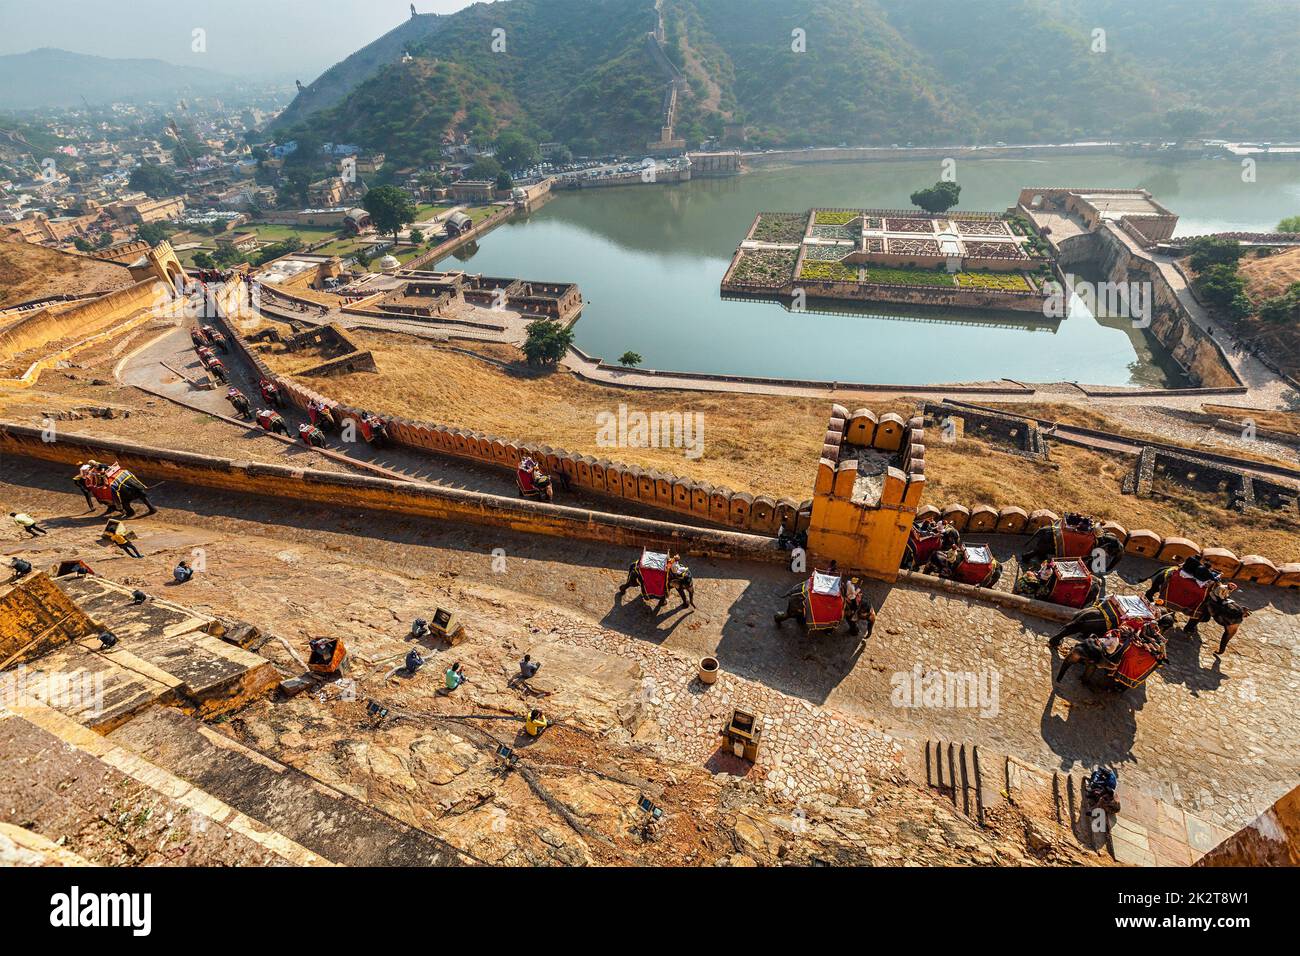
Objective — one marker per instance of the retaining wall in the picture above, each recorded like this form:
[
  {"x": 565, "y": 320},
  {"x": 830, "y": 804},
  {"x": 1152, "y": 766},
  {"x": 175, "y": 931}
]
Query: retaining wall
[
  {"x": 1172, "y": 549},
  {"x": 280, "y": 483},
  {"x": 760, "y": 514},
  {"x": 44, "y": 328}
]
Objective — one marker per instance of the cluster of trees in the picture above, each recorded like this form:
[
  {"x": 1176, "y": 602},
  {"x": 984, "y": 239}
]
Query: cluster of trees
[
  {"x": 1219, "y": 283},
  {"x": 1282, "y": 309},
  {"x": 155, "y": 182},
  {"x": 1215, "y": 261},
  {"x": 102, "y": 241}
]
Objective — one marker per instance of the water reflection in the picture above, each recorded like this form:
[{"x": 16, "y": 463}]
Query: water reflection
[{"x": 649, "y": 260}]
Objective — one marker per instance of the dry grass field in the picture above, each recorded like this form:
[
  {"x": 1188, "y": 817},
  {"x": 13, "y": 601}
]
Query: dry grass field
[
  {"x": 29, "y": 271},
  {"x": 771, "y": 444}
]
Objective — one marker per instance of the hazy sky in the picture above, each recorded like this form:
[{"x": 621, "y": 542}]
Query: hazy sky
[{"x": 301, "y": 38}]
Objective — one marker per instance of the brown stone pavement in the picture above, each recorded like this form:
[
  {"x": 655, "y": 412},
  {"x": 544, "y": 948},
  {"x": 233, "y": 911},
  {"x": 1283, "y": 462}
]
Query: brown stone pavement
[{"x": 1213, "y": 736}]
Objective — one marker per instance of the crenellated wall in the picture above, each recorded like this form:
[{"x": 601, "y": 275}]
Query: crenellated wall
[
  {"x": 1171, "y": 549},
  {"x": 346, "y": 491},
  {"x": 760, "y": 514}
]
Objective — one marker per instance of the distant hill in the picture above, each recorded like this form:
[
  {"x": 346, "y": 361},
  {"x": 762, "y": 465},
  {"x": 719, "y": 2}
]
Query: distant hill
[
  {"x": 340, "y": 79},
  {"x": 55, "y": 78},
  {"x": 868, "y": 72}
]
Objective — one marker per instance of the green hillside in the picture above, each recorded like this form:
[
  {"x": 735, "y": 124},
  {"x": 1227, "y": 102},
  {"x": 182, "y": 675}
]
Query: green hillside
[{"x": 869, "y": 72}]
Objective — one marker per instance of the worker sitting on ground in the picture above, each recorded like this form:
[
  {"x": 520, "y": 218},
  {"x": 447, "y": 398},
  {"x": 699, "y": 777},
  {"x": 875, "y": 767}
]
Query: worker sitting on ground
[
  {"x": 21, "y": 568},
  {"x": 535, "y": 723},
  {"x": 413, "y": 661},
  {"x": 182, "y": 572},
  {"x": 455, "y": 676},
  {"x": 420, "y": 629},
  {"x": 528, "y": 667}
]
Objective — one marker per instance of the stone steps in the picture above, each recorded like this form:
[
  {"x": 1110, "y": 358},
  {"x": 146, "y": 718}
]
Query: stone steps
[
  {"x": 1147, "y": 832},
  {"x": 73, "y": 790},
  {"x": 165, "y": 653},
  {"x": 325, "y": 821}
]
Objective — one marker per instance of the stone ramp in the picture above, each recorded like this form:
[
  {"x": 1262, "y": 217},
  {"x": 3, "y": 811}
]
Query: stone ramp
[
  {"x": 97, "y": 689},
  {"x": 67, "y": 795},
  {"x": 325, "y": 821},
  {"x": 171, "y": 646}
]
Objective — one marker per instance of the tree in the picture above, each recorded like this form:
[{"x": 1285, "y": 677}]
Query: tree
[
  {"x": 154, "y": 181},
  {"x": 1282, "y": 308},
  {"x": 630, "y": 358},
  {"x": 485, "y": 167},
  {"x": 417, "y": 236},
  {"x": 152, "y": 233},
  {"x": 515, "y": 150},
  {"x": 940, "y": 197},
  {"x": 1289, "y": 224},
  {"x": 390, "y": 209},
  {"x": 546, "y": 342},
  {"x": 504, "y": 182},
  {"x": 204, "y": 261},
  {"x": 82, "y": 245},
  {"x": 1220, "y": 285},
  {"x": 1186, "y": 122},
  {"x": 1207, "y": 251}
]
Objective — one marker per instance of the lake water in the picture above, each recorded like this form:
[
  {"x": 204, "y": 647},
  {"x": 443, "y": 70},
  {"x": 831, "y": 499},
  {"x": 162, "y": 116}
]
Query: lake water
[{"x": 649, "y": 260}]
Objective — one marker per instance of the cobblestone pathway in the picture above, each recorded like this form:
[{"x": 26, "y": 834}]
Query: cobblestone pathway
[
  {"x": 804, "y": 749},
  {"x": 1215, "y": 736}
]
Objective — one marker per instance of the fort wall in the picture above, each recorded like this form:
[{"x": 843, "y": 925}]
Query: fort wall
[
  {"x": 46, "y": 327},
  {"x": 278, "y": 482}
]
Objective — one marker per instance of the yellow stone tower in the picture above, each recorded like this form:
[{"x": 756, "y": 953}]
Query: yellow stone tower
[{"x": 869, "y": 485}]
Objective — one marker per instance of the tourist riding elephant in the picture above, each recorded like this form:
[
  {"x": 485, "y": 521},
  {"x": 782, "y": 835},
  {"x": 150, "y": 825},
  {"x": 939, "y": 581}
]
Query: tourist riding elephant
[
  {"x": 1075, "y": 536},
  {"x": 322, "y": 416},
  {"x": 1211, "y": 601},
  {"x": 679, "y": 579},
  {"x": 115, "y": 488},
  {"x": 1107, "y": 614},
  {"x": 240, "y": 402},
  {"x": 925, "y": 539},
  {"x": 1107, "y": 653}
]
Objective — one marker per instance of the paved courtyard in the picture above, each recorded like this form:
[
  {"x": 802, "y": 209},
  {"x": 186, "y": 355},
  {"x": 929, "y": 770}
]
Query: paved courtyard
[{"x": 1213, "y": 736}]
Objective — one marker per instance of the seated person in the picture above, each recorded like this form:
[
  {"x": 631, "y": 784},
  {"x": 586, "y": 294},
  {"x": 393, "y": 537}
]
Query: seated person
[
  {"x": 528, "y": 667},
  {"x": 413, "y": 661},
  {"x": 1079, "y": 522},
  {"x": 21, "y": 568},
  {"x": 322, "y": 650},
  {"x": 420, "y": 628},
  {"x": 535, "y": 723},
  {"x": 455, "y": 676},
  {"x": 1099, "y": 791},
  {"x": 182, "y": 572},
  {"x": 1105, "y": 650},
  {"x": 1196, "y": 567}
]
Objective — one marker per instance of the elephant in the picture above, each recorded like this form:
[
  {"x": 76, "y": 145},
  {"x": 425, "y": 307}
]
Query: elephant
[
  {"x": 1080, "y": 538},
  {"x": 1217, "y": 605},
  {"x": 679, "y": 580}
]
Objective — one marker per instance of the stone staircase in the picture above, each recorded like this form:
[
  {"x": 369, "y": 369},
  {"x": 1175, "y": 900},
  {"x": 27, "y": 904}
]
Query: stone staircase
[
  {"x": 327, "y": 822},
  {"x": 1147, "y": 831},
  {"x": 119, "y": 768}
]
